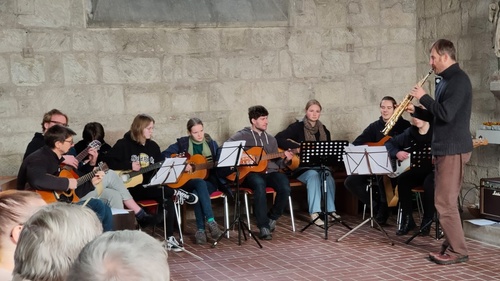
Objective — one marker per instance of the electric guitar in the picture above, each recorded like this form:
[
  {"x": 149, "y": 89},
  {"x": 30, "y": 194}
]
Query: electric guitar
[
  {"x": 68, "y": 171},
  {"x": 70, "y": 195},
  {"x": 199, "y": 170},
  {"x": 133, "y": 178},
  {"x": 253, "y": 156}
]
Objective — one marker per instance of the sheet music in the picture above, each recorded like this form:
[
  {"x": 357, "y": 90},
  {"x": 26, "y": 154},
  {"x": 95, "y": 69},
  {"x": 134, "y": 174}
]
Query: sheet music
[
  {"x": 229, "y": 152},
  {"x": 169, "y": 172},
  {"x": 367, "y": 160}
]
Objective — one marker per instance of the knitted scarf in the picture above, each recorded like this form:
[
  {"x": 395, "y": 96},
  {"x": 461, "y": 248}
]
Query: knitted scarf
[
  {"x": 206, "y": 150},
  {"x": 310, "y": 131}
]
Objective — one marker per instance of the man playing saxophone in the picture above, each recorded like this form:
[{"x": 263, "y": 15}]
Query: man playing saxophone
[
  {"x": 451, "y": 145},
  {"x": 356, "y": 184}
]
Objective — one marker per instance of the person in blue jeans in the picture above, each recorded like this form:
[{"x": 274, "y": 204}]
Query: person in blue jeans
[
  {"x": 311, "y": 129},
  {"x": 205, "y": 148},
  {"x": 256, "y": 135}
]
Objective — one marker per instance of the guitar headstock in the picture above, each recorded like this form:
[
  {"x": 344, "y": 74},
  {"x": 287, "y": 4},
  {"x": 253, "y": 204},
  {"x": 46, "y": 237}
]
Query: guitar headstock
[
  {"x": 101, "y": 166},
  {"x": 95, "y": 144},
  {"x": 479, "y": 142}
]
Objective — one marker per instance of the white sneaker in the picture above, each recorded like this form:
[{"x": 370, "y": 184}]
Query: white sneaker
[
  {"x": 336, "y": 216},
  {"x": 318, "y": 222},
  {"x": 173, "y": 245},
  {"x": 182, "y": 196}
]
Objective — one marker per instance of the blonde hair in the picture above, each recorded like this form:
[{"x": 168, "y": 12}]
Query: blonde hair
[
  {"x": 15, "y": 208},
  {"x": 313, "y": 102},
  {"x": 141, "y": 122}
]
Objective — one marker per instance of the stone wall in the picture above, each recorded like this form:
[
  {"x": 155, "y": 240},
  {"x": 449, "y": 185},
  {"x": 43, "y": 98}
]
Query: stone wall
[
  {"x": 465, "y": 23},
  {"x": 346, "y": 54}
]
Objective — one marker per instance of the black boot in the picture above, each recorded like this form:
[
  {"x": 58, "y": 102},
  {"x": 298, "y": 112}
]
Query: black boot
[
  {"x": 425, "y": 227},
  {"x": 144, "y": 219},
  {"x": 407, "y": 224},
  {"x": 382, "y": 214}
]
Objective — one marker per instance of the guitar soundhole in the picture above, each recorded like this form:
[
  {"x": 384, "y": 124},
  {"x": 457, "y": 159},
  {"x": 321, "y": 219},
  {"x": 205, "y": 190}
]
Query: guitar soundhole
[{"x": 65, "y": 199}]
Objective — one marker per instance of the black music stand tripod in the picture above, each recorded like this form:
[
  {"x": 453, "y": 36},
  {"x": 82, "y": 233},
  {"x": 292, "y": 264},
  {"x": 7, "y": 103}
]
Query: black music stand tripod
[
  {"x": 372, "y": 160},
  {"x": 321, "y": 154},
  {"x": 230, "y": 156},
  {"x": 170, "y": 172}
]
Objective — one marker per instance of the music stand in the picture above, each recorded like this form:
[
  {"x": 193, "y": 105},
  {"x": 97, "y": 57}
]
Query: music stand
[
  {"x": 367, "y": 160},
  {"x": 322, "y": 154},
  {"x": 230, "y": 156},
  {"x": 169, "y": 172}
]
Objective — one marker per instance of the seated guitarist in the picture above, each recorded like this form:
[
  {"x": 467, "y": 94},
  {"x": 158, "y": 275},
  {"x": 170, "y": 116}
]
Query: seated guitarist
[
  {"x": 199, "y": 143},
  {"x": 136, "y": 151},
  {"x": 256, "y": 135},
  {"x": 414, "y": 143},
  {"x": 40, "y": 170},
  {"x": 310, "y": 129},
  {"x": 356, "y": 184},
  {"x": 114, "y": 193}
]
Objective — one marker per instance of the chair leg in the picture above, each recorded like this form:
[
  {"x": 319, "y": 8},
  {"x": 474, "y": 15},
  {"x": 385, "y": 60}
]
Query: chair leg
[
  {"x": 291, "y": 213},
  {"x": 364, "y": 211},
  {"x": 399, "y": 217},
  {"x": 177, "y": 208},
  {"x": 247, "y": 210},
  {"x": 226, "y": 215},
  {"x": 420, "y": 205}
]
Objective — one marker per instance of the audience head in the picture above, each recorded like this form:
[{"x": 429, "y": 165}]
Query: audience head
[
  {"x": 54, "y": 117},
  {"x": 16, "y": 206},
  {"x": 51, "y": 240},
  {"x": 122, "y": 255},
  {"x": 93, "y": 131},
  {"x": 142, "y": 128},
  {"x": 59, "y": 137}
]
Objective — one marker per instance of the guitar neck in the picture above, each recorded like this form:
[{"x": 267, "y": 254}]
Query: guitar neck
[
  {"x": 82, "y": 154},
  {"x": 276, "y": 155},
  {"x": 145, "y": 169},
  {"x": 83, "y": 179}
]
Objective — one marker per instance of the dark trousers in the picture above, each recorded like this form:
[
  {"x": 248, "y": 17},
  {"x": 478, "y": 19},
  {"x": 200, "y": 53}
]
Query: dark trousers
[
  {"x": 258, "y": 183},
  {"x": 409, "y": 180}
]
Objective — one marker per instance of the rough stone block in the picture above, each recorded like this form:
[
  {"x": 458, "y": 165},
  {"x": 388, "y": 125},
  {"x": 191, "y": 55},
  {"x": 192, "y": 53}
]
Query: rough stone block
[
  {"x": 200, "y": 68},
  {"x": 242, "y": 67},
  {"x": 305, "y": 42},
  {"x": 306, "y": 14},
  {"x": 8, "y": 107},
  {"x": 50, "y": 41},
  {"x": 432, "y": 8},
  {"x": 130, "y": 69},
  {"x": 110, "y": 100},
  {"x": 285, "y": 64},
  {"x": 25, "y": 7},
  {"x": 235, "y": 39},
  {"x": 377, "y": 76},
  {"x": 366, "y": 14},
  {"x": 397, "y": 55},
  {"x": 370, "y": 36},
  {"x": 4, "y": 71},
  {"x": 79, "y": 69},
  {"x": 48, "y": 13},
  {"x": 268, "y": 38},
  {"x": 27, "y": 72},
  {"x": 12, "y": 40},
  {"x": 193, "y": 41},
  {"x": 224, "y": 95},
  {"x": 448, "y": 24},
  {"x": 189, "y": 100},
  {"x": 396, "y": 17},
  {"x": 402, "y": 35},
  {"x": 332, "y": 14},
  {"x": 364, "y": 55},
  {"x": 335, "y": 62},
  {"x": 306, "y": 65},
  {"x": 172, "y": 67},
  {"x": 143, "y": 103},
  {"x": 331, "y": 94}
]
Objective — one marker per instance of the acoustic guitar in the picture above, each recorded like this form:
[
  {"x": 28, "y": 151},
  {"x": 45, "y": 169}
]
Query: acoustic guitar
[
  {"x": 403, "y": 166},
  {"x": 68, "y": 171},
  {"x": 199, "y": 170},
  {"x": 252, "y": 155},
  {"x": 133, "y": 178},
  {"x": 70, "y": 196}
]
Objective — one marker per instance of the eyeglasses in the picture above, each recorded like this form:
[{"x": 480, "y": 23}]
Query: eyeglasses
[
  {"x": 59, "y": 123},
  {"x": 70, "y": 141}
]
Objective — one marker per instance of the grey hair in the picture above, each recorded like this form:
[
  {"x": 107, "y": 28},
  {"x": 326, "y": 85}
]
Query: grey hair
[
  {"x": 52, "y": 239},
  {"x": 122, "y": 255}
]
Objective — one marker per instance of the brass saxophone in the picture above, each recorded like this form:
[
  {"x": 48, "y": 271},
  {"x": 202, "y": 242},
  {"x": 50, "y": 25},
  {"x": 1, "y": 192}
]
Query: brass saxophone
[{"x": 401, "y": 107}]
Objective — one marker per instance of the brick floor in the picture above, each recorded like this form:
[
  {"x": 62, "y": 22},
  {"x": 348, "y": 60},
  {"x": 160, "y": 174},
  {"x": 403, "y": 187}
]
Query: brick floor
[{"x": 366, "y": 254}]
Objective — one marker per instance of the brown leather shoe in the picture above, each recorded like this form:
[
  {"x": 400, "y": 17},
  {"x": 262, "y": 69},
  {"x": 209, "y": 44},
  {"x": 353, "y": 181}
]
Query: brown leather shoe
[{"x": 447, "y": 259}]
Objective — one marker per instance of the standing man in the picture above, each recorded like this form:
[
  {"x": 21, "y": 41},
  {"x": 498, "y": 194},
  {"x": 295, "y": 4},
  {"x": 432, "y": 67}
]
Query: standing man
[
  {"x": 256, "y": 135},
  {"x": 451, "y": 145}
]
